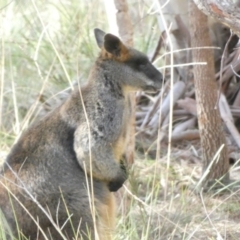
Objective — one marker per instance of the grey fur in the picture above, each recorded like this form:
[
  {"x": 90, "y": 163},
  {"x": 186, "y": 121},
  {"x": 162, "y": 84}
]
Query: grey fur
[
  {"x": 99, "y": 35},
  {"x": 46, "y": 166}
]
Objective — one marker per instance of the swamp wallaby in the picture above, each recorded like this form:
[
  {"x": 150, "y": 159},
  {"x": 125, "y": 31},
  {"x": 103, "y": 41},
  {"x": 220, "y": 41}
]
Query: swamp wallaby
[{"x": 46, "y": 186}]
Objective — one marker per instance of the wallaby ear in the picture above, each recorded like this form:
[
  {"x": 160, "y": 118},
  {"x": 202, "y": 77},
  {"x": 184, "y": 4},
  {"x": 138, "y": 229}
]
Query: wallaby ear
[
  {"x": 112, "y": 44},
  {"x": 99, "y": 35}
]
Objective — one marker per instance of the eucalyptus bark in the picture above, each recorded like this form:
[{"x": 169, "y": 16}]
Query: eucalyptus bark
[
  {"x": 125, "y": 29},
  {"x": 224, "y": 11},
  {"x": 209, "y": 120}
]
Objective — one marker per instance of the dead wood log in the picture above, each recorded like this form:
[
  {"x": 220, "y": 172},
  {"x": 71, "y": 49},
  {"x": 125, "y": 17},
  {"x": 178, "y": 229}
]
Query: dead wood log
[
  {"x": 185, "y": 135},
  {"x": 236, "y": 102},
  {"x": 178, "y": 91},
  {"x": 189, "y": 105},
  {"x": 181, "y": 113},
  {"x": 228, "y": 119},
  {"x": 190, "y": 123},
  {"x": 152, "y": 110}
]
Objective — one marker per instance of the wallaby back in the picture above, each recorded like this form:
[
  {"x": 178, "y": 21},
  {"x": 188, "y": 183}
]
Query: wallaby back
[{"x": 46, "y": 182}]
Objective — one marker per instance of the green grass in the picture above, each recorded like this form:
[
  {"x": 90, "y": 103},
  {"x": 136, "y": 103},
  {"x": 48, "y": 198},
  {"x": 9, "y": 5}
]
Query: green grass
[{"x": 44, "y": 48}]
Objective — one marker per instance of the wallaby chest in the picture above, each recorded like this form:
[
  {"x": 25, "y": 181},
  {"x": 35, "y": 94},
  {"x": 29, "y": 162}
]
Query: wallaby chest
[
  {"x": 108, "y": 119},
  {"x": 121, "y": 143}
]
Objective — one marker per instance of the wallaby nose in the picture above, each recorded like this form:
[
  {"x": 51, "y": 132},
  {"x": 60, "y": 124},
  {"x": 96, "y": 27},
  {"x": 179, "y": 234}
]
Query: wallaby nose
[
  {"x": 159, "y": 80},
  {"x": 162, "y": 78},
  {"x": 156, "y": 84}
]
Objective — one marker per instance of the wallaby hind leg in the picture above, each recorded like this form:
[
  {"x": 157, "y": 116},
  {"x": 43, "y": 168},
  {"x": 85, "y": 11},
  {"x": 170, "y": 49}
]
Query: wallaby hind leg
[
  {"x": 69, "y": 234},
  {"x": 81, "y": 227},
  {"x": 106, "y": 218}
]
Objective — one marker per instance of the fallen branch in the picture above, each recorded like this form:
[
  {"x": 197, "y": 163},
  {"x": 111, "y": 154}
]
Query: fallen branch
[
  {"x": 228, "y": 119},
  {"x": 189, "y": 105},
  {"x": 178, "y": 91},
  {"x": 185, "y": 135},
  {"x": 190, "y": 123}
]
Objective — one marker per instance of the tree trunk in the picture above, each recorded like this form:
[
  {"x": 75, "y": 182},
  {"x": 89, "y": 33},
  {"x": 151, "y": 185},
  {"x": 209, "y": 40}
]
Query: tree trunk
[
  {"x": 225, "y": 11},
  {"x": 126, "y": 32},
  {"x": 210, "y": 124}
]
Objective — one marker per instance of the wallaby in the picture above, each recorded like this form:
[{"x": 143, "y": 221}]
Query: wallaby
[{"x": 45, "y": 185}]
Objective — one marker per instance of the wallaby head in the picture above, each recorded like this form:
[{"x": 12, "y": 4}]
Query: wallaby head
[{"x": 131, "y": 66}]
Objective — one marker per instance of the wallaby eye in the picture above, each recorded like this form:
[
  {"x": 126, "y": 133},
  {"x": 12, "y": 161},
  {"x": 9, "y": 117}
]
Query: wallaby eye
[
  {"x": 139, "y": 63},
  {"x": 142, "y": 63}
]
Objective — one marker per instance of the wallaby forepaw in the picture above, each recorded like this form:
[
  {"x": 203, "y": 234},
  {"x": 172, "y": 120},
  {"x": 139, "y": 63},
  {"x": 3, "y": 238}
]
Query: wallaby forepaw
[{"x": 114, "y": 186}]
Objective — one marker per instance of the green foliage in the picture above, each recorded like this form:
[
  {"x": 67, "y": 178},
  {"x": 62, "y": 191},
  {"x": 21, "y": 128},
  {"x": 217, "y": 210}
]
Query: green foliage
[{"x": 46, "y": 46}]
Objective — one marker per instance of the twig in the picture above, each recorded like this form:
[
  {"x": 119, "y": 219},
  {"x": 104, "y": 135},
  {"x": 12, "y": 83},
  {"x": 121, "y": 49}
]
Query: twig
[{"x": 158, "y": 47}]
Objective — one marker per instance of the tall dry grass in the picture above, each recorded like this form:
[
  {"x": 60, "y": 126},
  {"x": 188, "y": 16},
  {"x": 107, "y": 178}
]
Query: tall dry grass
[{"x": 45, "y": 47}]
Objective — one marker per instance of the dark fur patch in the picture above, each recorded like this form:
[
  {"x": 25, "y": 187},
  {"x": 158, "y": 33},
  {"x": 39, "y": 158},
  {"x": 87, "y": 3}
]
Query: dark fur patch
[
  {"x": 142, "y": 64},
  {"x": 100, "y": 109},
  {"x": 114, "y": 87},
  {"x": 112, "y": 44},
  {"x": 100, "y": 128}
]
